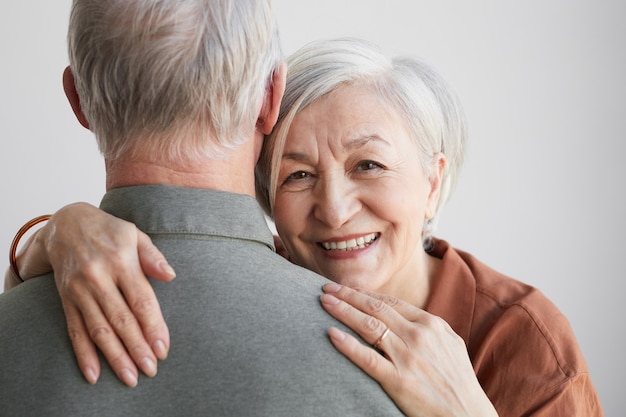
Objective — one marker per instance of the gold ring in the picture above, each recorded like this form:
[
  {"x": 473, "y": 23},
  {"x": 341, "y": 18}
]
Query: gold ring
[{"x": 381, "y": 338}]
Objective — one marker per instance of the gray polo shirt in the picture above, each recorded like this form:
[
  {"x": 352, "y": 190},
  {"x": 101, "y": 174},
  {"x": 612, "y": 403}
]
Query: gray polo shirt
[{"x": 248, "y": 335}]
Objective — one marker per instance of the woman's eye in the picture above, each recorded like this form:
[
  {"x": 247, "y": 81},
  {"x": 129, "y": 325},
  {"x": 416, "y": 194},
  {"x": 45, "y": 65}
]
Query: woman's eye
[
  {"x": 298, "y": 175},
  {"x": 368, "y": 165}
]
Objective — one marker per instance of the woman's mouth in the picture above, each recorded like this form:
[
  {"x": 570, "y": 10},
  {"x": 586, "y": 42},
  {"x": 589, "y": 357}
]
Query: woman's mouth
[{"x": 351, "y": 244}]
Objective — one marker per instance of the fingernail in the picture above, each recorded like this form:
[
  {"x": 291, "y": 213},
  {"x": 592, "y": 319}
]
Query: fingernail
[
  {"x": 128, "y": 377},
  {"x": 336, "y": 334},
  {"x": 329, "y": 299},
  {"x": 159, "y": 350},
  {"x": 167, "y": 268},
  {"x": 148, "y": 367},
  {"x": 90, "y": 375},
  {"x": 332, "y": 287}
]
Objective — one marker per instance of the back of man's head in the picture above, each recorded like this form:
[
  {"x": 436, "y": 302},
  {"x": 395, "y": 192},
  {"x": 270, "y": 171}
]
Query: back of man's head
[{"x": 171, "y": 77}]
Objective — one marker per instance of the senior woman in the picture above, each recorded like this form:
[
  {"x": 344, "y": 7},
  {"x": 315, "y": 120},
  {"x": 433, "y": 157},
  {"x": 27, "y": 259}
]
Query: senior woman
[{"x": 363, "y": 158}]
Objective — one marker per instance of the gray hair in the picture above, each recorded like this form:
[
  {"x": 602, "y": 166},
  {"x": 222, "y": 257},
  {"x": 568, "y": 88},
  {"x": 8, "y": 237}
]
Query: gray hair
[
  {"x": 426, "y": 102},
  {"x": 150, "y": 71}
]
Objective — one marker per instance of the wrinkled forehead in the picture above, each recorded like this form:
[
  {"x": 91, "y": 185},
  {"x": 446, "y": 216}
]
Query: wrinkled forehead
[
  {"x": 346, "y": 125},
  {"x": 349, "y": 113}
]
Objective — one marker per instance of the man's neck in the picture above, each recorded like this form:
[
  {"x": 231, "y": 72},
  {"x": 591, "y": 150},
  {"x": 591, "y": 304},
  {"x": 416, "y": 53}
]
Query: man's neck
[{"x": 233, "y": 173}]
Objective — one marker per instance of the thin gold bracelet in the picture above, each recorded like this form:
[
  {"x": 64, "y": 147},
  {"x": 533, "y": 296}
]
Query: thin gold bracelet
[{"x": 16, "y": 240}]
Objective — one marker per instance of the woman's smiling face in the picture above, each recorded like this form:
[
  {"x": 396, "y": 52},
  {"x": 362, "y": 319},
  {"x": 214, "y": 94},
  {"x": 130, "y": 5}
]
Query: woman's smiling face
[{"x": 352, "y": 194}]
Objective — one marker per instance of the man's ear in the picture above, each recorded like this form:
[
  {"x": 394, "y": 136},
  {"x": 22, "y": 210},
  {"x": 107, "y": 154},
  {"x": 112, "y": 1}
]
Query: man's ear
[
  {"x": 268, "y": 116},
  {"x": 72, "y": 96}
]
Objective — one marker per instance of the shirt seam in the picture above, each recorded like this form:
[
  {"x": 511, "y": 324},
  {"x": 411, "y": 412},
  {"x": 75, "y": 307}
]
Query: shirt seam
[{"x": 538, "y": 323}]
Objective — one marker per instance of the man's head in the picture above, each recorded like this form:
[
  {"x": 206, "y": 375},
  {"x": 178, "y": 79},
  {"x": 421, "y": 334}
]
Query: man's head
[{"x": 170, "y": 77}]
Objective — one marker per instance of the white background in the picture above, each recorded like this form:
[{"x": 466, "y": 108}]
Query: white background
[{"x": 541, "y": 195}]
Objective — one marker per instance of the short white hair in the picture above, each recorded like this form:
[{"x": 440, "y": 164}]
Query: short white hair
[
  {"x": 147, "y": 71},
  {"x": 430, "y": 108}
]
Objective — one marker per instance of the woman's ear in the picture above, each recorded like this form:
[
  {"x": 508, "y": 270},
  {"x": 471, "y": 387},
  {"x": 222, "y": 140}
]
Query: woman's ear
[
  {"x": 268, "y": 116},
  {"x": 436, "y": 176},
  {"x": 72, "y": 96}
]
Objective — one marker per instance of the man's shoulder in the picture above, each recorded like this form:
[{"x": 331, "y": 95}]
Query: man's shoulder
[
  {"x": 39, "y": 293},
  {"x": 31, "y": 309}
]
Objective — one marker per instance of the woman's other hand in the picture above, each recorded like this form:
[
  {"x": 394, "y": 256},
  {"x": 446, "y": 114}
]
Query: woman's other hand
[
  {"x": 100, "y": 264},
  {"x": 417, "y": 359}
]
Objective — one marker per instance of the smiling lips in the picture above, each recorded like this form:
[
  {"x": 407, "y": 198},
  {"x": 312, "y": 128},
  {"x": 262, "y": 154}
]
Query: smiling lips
[{"x": 352, "y": 244}]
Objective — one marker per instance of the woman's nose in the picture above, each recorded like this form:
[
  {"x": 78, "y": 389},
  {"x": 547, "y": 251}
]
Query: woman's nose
[{"x": 336, "y": 202}]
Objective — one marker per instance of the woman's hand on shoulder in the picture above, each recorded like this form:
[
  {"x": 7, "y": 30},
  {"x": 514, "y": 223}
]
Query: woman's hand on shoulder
[
  {"x": 415, "y": 356},
  {"x": 100, "y": 264}
]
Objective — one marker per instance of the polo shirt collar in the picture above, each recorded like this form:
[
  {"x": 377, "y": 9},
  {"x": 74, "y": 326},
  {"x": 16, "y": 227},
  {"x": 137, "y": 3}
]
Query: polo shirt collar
[{"x": 164, "y": 209}]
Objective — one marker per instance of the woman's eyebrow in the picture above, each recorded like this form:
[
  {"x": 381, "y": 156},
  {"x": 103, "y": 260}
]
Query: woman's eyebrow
[
  {"x": 359, "y": 142},
  {"x": 295, "y": 156},
  {"x": 349, "y": 144}
]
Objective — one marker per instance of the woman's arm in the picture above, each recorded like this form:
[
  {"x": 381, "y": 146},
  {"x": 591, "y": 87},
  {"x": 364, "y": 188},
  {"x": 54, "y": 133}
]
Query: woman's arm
[
  {"x": 415, "y": 356},
  {"x": 36, "y": 263},
  {"x": 11, "y": 279},
  {"x": 98, "y": 261}
]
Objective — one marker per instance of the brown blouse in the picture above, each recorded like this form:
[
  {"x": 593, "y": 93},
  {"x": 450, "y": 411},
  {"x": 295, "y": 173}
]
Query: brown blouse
[{"x": 523, "y": 349}]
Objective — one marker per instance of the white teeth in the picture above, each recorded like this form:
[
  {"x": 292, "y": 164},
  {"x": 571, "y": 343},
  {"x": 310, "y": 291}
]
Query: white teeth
[{"x": 352, "y": 244}]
